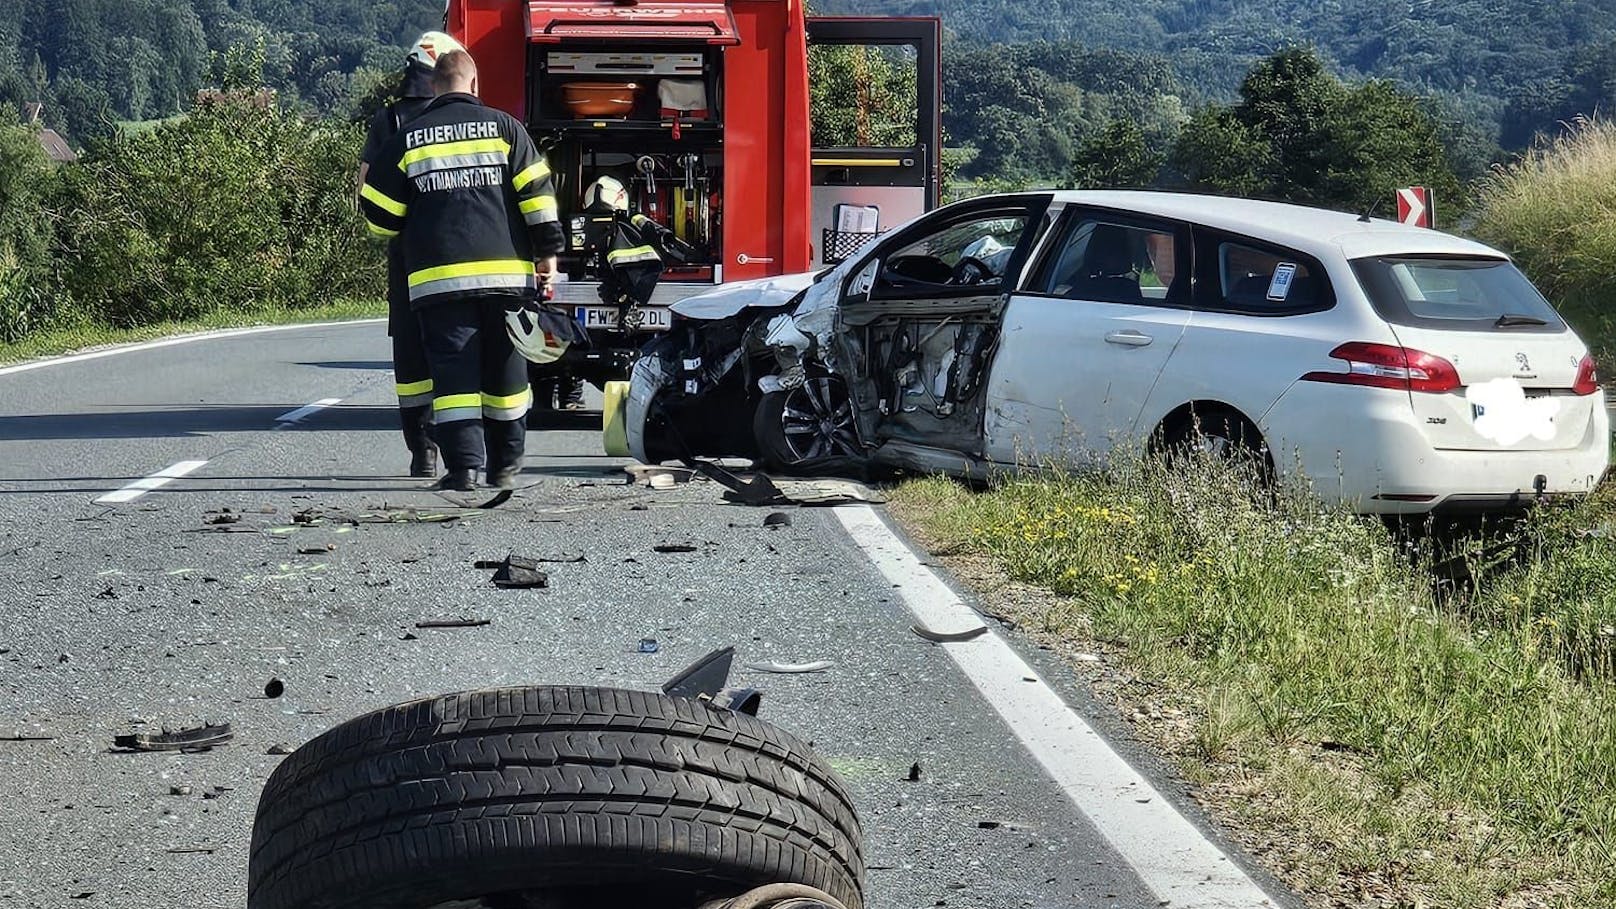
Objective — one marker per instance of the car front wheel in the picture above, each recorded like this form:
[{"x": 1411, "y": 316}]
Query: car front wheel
[{"x": 811, "y": 423}]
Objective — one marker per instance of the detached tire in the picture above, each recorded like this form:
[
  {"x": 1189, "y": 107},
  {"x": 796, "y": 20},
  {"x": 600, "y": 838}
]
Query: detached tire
[{"x": 526, "y": 790}]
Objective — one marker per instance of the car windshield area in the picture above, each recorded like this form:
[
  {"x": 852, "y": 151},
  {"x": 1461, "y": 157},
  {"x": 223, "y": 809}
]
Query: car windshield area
[
  {"x": 966, "y": 254},
  {"x": 1455, "y": 293}
]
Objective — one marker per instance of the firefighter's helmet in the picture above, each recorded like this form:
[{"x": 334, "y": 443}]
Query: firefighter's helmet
[
  {"x": 430, "y": 46},
  {"x": 606, "y": 194}
]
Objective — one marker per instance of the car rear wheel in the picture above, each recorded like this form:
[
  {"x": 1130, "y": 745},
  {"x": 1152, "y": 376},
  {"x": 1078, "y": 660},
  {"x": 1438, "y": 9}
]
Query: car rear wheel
[
  {"x": 551, "y": 793},
  {"x": 1218, "y": 435},
  {"x": 807, "y": 424}
]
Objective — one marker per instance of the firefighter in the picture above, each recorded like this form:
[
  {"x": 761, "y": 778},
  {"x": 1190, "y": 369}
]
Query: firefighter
[
  {"x": 410, "y": 375},
  {"x": 473, "y": 203}
]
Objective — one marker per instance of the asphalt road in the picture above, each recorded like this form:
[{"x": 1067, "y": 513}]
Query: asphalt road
[{"x": 141, "y": 615}]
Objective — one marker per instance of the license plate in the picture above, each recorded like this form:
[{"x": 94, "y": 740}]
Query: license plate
[{"x": 604, "y": 318}]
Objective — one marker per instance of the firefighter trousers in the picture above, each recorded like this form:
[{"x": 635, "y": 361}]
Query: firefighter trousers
[
  {"x": 480, "y": 393},
  {"x": 410, "y": 373}
]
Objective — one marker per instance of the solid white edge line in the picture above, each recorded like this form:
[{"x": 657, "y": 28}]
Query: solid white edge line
[
  {"x": 172, "y": 342},
  {"x": 156, "y": 481},
  {"x": 303, "y": 413},
  {"x": 1169, "y": 854}
]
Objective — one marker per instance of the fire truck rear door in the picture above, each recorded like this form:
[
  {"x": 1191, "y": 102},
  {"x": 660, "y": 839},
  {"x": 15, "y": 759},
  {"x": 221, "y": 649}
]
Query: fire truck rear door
[{"x": 876, "y": 89}]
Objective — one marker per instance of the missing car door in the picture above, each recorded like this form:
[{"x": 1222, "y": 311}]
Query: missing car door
[{"x": 917, "y": 334}]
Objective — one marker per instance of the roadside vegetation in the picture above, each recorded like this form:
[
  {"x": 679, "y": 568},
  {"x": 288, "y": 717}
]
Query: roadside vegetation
[
  {"x": 1555, "y": 210},
  {"x": 239, "y": 211},
  {"x": 1388, "y": 725}
]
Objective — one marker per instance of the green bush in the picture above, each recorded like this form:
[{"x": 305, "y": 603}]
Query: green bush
[
  {"x": 241, "y": 204},
  {"x": 27, "y": 189},
  {"x": 1555, "y": 211}
]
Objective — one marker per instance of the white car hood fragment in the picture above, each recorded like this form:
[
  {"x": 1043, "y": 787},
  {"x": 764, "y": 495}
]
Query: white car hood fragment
[{"x": 728, "y": 300}]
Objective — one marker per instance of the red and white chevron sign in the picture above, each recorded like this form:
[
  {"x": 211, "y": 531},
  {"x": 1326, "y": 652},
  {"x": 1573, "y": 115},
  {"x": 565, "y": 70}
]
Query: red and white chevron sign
[{"x": 1415, "y": 207}]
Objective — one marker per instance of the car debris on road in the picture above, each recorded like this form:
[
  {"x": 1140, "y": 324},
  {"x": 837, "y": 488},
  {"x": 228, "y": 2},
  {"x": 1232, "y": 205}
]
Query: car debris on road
[
  {"x": 200, "y": 738},
  {"x": 791, "y": 668},
  {"x": 954, "y": 637}
]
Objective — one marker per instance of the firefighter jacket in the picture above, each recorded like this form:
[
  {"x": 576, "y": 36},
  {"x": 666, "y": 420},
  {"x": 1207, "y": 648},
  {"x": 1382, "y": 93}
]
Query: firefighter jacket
[
  {"x": 469, "y": 197},
  {"x": 633, "y": 265}
]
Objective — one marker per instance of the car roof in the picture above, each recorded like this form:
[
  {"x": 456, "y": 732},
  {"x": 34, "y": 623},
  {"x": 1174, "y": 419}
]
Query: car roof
[{"x": 1312, "y": 230}]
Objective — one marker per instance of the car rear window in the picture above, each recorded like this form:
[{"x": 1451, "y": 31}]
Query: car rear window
[{"x": 1456, "y": 294}]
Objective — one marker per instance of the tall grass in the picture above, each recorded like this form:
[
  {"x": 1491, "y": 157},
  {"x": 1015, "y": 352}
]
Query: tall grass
[
  {"x": 1310, "y": 637},
  {"x": 1555, "y": 210}
]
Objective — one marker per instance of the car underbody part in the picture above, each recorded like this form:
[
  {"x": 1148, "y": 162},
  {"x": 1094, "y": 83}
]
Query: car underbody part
[{"x": 544, "y": 793}]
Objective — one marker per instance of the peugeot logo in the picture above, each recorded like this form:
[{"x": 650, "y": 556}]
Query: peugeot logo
[{"x": 1526, "y": 365}]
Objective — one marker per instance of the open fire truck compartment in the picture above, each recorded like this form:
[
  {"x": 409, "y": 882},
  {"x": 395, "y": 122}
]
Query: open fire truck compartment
[{"x": 701, "y": 109}]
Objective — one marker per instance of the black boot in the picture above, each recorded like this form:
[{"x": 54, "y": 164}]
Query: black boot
[
  {"x": 416, "y": 423},
  {"x": 505, "y": 477},
  {"x": 424, "y": 463},
  {"x": 571, "y": 393},
  {"x": 457, "y": 481}
]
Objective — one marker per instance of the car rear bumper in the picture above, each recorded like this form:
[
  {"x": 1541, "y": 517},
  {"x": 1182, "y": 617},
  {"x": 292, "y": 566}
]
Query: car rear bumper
[{"x": 1361, "y": 446}]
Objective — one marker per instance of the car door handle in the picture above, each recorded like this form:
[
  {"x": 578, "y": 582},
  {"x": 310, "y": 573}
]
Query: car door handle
[{"x": 1129, "y": 339}]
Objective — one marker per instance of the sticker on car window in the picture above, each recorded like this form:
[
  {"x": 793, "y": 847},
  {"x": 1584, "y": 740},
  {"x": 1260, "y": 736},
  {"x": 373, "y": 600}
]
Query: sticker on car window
[{"x": 1279, "y": 289}]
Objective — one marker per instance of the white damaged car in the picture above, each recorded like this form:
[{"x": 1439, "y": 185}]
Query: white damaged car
[{"x": 1397, "y": 369}]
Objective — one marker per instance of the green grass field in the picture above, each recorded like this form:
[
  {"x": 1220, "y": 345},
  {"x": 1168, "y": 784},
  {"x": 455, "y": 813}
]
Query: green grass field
[
  {"x": 1376, "y": 722},
  {"x": 61, "y": 341}
]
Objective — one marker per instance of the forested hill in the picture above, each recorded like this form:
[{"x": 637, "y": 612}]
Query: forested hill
[
  {"x": 1517, "y": 64},
  {"x": 1495, "y": 71},
  {"x": 98, "y": 61}
]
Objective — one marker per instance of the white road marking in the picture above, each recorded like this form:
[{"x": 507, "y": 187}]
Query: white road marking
[
  {"x": 156, "y": 481},
  {"x": 303, "y": 413},
  {"x": 172, "y": 342},
  {"x": 1170, "y": 855}
]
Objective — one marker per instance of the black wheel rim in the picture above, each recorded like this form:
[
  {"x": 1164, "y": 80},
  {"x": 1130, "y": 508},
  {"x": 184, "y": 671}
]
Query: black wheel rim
[{"x": 817, "y": 421}]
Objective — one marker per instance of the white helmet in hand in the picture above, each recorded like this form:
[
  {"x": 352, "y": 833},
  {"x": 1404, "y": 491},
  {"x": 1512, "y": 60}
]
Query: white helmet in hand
[{"x": 537, "y": 333}]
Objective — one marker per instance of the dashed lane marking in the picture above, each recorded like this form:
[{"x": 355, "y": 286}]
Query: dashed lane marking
[
  {"x": 303, "y": 413},
  {"x": 156, "y": 481},
  {"x": 1171, "y": 856}
]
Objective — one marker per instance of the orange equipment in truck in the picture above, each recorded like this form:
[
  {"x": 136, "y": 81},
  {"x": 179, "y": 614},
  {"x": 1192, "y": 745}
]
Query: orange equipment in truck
[{"x": 701, "y": 108}]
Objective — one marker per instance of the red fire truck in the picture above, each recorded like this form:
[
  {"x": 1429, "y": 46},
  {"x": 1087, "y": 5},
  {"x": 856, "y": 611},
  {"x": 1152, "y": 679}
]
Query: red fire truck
[{"x": 701, "y": 108}]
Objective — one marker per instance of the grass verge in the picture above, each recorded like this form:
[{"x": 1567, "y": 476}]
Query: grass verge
[
  {"x": 83, "y": 337},
  {"x": 1374, "y": 741}
]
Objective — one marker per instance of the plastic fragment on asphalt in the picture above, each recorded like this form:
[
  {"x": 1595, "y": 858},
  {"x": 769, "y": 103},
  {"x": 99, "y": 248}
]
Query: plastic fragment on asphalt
[
  {"x": 452, "y": 623},
  {"x": 279, "y": 750},
  {"x": 778, "y": 519},
  {"x": 200, "y": 738},
  {"x": 674, "y": 548},
  {"x": 791, "y": 668},
  {"x": 649, "y": 645},
  {"x": 954, "y": 637},
  {"x": 274, "y": 688},
  {"x": 914, "y": 773},
  {"x": 519, "y": 573}
]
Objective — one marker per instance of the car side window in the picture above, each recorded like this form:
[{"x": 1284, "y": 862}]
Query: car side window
[
  {"x": 1240, "y": 275},
  {"x": 1255, "y": 278},
  {"x": 1117, "y": 260},
  {"x": 969, "y": 256}
]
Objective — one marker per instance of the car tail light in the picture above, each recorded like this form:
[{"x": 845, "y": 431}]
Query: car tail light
[
  {"x": 1587, "y": 376},
  {"x": 1387, "y": 366}
]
